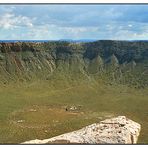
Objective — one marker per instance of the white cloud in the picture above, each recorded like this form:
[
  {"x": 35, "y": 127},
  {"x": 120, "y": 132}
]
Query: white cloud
[
  {"x": 11, "y": 21},
  {"x": 130, "y": 25},
  {"x": 47, "y": 31},
  {"x": 130, "y": 35},
  {"x": 59, "y": 22}
]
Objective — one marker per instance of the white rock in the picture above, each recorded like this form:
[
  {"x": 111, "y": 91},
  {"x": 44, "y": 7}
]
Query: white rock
[
  {"x": 120, "y": 130},
  {"x": 20, "y": 121}
]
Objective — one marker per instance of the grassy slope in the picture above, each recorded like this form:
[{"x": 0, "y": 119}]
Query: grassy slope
[{"x": 97, "y": 100}]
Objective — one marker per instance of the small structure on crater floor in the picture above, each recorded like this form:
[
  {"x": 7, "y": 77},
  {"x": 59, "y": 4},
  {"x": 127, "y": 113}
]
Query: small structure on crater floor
[
  {"x": 73, "y": 108},
  {"x": 20, "y": 121}
]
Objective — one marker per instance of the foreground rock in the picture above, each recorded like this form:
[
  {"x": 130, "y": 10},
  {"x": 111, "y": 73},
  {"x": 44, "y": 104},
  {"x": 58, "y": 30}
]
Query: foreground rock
[{"x": 120, "y": 130}]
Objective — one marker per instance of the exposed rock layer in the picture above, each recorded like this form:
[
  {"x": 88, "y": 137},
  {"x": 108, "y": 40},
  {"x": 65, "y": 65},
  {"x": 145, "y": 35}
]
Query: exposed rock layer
[
  {"x": 120, "y": 130},
  {"x": 121, "y": 62}
]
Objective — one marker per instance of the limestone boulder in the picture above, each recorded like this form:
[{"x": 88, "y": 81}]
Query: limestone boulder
[{"x": 119, "y": 130}]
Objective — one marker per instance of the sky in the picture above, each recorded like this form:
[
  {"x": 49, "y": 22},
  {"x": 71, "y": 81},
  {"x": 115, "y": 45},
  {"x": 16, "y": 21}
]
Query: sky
[{"x": 54, "y": 22}]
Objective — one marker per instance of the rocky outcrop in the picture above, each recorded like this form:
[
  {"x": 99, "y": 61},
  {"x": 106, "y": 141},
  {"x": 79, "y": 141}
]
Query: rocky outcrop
[{"x": 120, "y": 130}]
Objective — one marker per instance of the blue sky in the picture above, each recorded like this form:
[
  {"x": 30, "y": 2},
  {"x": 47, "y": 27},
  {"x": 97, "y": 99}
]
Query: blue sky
[{"x": 54, "y": 22}]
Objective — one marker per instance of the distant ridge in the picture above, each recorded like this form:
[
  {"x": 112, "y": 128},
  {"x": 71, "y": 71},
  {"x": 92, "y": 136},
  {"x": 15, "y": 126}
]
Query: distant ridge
[
  {"x": 14, "y": 41},
  {"x": 67, "y": 40}
]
